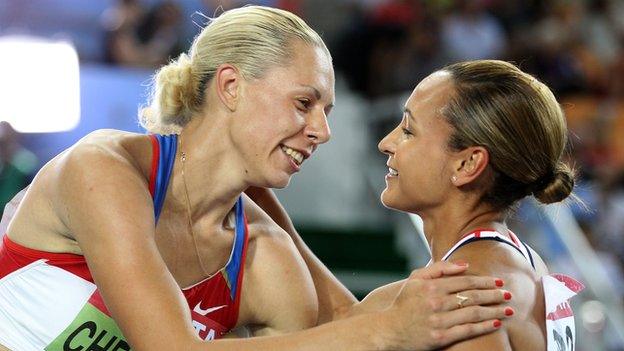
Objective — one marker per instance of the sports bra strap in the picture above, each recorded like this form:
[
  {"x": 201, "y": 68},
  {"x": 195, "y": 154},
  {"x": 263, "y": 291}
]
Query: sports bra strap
[
  {"x": 479, "y": 235},
  {"x": 164, "y": 149}
]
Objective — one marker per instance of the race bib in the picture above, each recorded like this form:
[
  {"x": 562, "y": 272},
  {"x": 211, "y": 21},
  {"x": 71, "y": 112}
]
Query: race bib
[{"x": 558, "y": 290}]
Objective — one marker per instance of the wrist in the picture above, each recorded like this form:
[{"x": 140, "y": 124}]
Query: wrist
[{"x": 383, "y": 332}]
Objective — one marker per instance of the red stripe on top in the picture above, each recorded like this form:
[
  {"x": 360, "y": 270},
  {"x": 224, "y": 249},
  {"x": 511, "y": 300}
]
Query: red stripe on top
[
  {"x": 155, "y": 159},
  {"x": 97, "y": 301},
  {"x": 477, "y": 232},
  {"x": 514, "y": 238},
  {"x": 37, "y": 255},
  {"x": 18, "y": 256}
]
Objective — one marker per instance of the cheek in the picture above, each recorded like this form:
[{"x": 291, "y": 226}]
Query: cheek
[
  {"x": 421, "y": 167},
  {"x": 277, "y": 118}
]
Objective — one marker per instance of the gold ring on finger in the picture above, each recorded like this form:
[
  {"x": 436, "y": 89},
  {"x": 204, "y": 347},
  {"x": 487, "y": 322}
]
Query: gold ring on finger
[{"x": 461, "y": 299}]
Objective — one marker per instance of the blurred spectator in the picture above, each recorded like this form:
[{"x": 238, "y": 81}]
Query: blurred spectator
[
  {"x": 17, "y": 165},
  {"x": 161, "y": 31},
  {"x": 554, "y": 43},
  {"x": 472, "y": 33},
  {"x": 137, "y": 37},
  {"x": 121, "y": 44},
  {"x": 387, "y": 47},
  {"x": 608, "y": 229},
  {"x": 600, "y": 32},
  {"x": 389, "y": 51}
]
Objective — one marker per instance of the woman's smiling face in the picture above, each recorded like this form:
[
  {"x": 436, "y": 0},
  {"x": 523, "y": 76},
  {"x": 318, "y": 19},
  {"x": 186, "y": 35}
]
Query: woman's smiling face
[
  {"x": 418, "y": 155},
  {"x": 284, "y": 116}
]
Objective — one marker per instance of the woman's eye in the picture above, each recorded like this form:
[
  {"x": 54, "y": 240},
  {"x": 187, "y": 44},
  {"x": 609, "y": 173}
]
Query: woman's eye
[
  {"x": 303, "y": 104},
  {"x": 406, "y": 132}
]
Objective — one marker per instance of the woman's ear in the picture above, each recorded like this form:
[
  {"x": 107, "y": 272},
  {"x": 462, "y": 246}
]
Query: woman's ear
[
  {"x": 469, "y": 165},
  {"x": 228, "y": 80}
]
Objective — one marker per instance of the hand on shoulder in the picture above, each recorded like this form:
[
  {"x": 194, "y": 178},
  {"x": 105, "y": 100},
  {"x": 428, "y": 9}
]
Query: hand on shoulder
[{"x": 525, "y": 308}]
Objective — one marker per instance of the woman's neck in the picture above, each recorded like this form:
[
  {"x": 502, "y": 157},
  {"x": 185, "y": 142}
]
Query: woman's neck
[
  {"x": 208, "y": 172},
  {"x": 445, "y": 227}
]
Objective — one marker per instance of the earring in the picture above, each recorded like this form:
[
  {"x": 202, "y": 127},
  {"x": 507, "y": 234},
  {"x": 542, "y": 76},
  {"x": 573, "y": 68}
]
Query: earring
[{"x": 454, "y": 179}]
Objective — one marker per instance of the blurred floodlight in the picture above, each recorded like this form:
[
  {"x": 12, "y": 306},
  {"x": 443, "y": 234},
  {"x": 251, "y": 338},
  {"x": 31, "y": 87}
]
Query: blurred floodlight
[{"x": 39, "y": 84}]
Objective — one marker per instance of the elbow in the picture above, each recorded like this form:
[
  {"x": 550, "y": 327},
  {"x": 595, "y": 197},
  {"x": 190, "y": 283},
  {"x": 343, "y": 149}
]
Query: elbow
[
  {"x": 344, "y": 311},
  {"x": 164, "y": 343}
]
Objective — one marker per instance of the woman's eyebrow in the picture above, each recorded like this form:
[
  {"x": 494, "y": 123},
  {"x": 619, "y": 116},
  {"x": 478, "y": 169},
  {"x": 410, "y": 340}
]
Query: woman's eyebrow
[
  {"x": 317, "y": 94},
  {"x": 409, "y": 115}
]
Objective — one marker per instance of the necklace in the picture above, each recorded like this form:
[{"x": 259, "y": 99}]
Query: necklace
[{"x": 188, "y": 213}]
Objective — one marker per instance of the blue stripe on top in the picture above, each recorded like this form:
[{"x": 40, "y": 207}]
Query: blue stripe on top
[
  {"x": 166, "y": 159},
  {"x": 168, "y": 147},
  {"x": 232, "y": 268}
]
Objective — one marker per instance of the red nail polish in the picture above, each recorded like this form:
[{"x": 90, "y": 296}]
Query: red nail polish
[
  {"x": 499, "y": 282},
  {"x": 509, "y": 311},
  {"x": 507, "y": 295},
  {"x": 497, "y": 323},
  {"x": 461, "y": 263}
]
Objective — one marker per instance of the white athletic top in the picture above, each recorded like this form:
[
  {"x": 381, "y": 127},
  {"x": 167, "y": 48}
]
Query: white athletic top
[{"x": 558, "y": 290}]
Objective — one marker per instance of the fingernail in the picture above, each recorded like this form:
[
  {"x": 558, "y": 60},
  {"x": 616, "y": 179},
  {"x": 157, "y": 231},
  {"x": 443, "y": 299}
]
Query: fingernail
[
  {"x": 509, "y": 311},
  {"x": 507, "y": 295},
  {"x": 461, "y": 263},
  {"x": 499, "y": 282},
  {"x": 497, "y": 323}
]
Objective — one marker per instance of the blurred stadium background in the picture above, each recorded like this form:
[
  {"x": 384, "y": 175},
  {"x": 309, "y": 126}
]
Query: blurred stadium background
[{"x": 100, "y": 55}]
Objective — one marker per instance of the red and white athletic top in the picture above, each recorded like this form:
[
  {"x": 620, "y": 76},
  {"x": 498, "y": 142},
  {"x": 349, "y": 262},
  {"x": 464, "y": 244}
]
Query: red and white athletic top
[
  {"x": 558, "y": 290},
  {"x": 49, "y": 301}
]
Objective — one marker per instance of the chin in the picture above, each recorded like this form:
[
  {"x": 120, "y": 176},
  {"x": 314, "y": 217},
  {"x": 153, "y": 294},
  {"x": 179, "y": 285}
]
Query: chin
[
  {"x": 278, "y": 182},
  {"x": 281, "y": 185},
  {"x": 390, "y": 201},
  {"x": 386, "y": 199}
]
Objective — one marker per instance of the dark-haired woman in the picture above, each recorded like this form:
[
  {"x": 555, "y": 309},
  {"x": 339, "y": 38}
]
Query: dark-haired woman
[{"x": 475, "y": 138}]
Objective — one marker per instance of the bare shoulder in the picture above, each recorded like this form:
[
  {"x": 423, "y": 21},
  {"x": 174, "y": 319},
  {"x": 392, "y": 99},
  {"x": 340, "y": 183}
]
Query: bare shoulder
[
  {"x": 276, "y": 276},
  {"x": 97, "y": 160},
  {"x": 101, "y": 157},
  {"x": 525, "y": 329},
  {"x": 109, "y": 144},
  {"x": 94, "y": 153}
]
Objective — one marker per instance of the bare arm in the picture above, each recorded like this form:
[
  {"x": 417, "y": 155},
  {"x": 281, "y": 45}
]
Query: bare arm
[
  {"x": 106, "y": 207},
  {"x": 334, "y": 298},
  {"x": 278, "y": 292}
]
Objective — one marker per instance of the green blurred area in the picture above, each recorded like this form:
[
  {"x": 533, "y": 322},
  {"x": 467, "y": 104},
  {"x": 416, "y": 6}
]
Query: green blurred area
[{"x": 357, "y": 249}]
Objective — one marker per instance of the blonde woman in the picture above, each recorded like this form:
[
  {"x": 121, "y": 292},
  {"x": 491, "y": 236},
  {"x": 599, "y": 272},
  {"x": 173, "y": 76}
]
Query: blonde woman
[{"x": 147, "y": 242}]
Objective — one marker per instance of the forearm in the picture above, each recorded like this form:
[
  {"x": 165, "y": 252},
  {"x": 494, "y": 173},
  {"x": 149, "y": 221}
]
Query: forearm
[
  {"x": 353, "y": 334},
  {"x": 377, "y": 300},
  {"x": 332, "y": 294}
]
